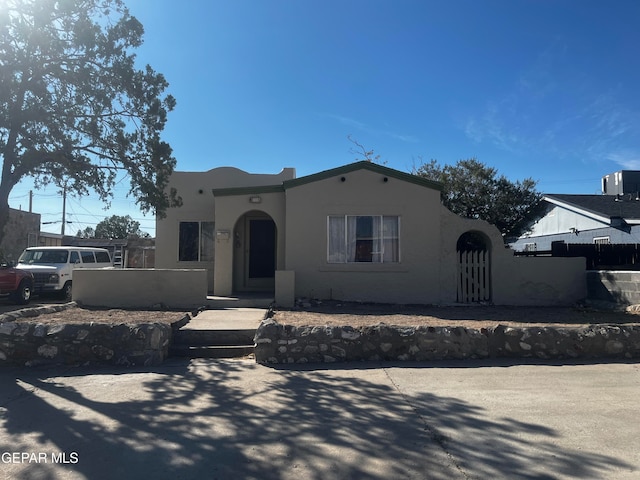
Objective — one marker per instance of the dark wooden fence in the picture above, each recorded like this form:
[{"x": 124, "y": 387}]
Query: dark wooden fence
[{"x": 599, "y": 256}]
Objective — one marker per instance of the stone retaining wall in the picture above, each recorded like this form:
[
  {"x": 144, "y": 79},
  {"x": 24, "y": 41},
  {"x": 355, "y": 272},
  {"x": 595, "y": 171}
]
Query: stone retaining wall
[
  {"x": 276, "y": 343},
  {"x": 29, "y": 343}
]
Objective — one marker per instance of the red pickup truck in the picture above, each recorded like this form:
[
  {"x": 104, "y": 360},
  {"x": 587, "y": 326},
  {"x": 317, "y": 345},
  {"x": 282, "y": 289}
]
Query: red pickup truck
[{"x": 15, "y": 283}]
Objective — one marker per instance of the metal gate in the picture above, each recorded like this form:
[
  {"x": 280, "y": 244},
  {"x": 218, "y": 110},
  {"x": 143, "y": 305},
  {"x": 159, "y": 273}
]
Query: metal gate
[{"x": 474, "y": 281}]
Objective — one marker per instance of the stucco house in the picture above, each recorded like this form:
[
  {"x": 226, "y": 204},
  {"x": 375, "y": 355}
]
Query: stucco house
[{"x": 360, "y": 232}]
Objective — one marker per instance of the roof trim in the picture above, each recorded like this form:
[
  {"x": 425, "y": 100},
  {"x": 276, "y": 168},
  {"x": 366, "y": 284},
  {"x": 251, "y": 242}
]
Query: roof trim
[
  {"x": 227, "y": 192},
  {"x": 315, "y": 177},
  {"x": 362, "y": 165}
]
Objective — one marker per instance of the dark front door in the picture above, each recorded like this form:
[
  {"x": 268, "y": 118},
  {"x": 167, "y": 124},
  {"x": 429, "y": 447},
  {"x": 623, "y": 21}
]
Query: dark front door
[{"x": 262, "y": 249}]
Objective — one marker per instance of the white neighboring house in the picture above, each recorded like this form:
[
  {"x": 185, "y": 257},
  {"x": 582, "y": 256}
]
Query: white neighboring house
[{"x": 612, "y": 217}]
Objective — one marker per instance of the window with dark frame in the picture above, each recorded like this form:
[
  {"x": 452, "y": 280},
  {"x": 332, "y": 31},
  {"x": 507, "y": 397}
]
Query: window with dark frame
[{"x": 196, "y": 242}]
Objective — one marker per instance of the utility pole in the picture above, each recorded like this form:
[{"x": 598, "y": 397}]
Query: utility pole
[{"x": 64, "y": 209}]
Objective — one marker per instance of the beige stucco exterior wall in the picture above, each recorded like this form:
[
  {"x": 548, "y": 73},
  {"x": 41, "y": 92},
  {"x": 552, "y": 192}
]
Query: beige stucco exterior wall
[
  {"x": 363, "y": 192},
  {"x": 534, "y": 281},
  {"x": 228, "y": 211},
  {"x": 199, "y": 206},
  {"x": 452, "y": 227},
  {"x": 514, "y": 280},
  {"x": 428, "y": 269},
  {"x": 140, "y": 288}
]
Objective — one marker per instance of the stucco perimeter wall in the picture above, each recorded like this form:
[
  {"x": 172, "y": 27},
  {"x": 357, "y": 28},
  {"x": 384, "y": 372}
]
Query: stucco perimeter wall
[
  {"x": 539, "y": 281},
  {"x": 522, "y": 281},
  {"x": 140, "y": 288},
  {"x": 276, "y": 343},
  {"x": 415, "y": 279}
]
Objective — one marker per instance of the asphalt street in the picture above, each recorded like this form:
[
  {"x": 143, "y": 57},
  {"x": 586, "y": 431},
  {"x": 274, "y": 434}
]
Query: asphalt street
[
  {"x": 6, "y": 305},
  {"x": 234, "y": 419}
]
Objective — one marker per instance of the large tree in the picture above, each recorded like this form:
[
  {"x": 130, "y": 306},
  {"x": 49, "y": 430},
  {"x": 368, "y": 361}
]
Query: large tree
[
  {"x": 115, "y": 227},
  {"x": 75, "y": 110},
  {"x": 474, "y": 190}
]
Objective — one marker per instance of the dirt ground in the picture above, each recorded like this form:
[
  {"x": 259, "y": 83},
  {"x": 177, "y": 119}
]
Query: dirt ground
[
  {"x": 356, "y": 314},
  {"x": 340, "y": 314},
  {"x": 98, "y": 315}
]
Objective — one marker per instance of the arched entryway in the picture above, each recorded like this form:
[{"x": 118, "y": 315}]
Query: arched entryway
[
  {"x": 474, "y": 268},
  {"x": 254, "y": 254}
]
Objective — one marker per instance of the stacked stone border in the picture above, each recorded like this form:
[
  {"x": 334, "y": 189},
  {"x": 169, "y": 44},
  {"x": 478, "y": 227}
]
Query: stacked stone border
[
  {"x": 277, "y": 343},
  {"x": 31, "y": 343}
]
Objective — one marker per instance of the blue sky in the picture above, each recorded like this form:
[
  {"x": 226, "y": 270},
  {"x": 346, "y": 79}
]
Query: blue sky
[{"x": 546, "y": 89}]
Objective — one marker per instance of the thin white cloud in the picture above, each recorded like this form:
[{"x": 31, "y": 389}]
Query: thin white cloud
[
  {"x": 510, "y": 121},
  {"x": 627, "y": 159},
  {"x": 401, "y": 137},
  {"x": 349, "y": 122},
  {"x": 494, "y": 126},
  {"x": 611, "y": 131},
  {"x": 564, "y": 117},
  {"x": 353, "y": 123},
  {"x": 610, "y": 118}
]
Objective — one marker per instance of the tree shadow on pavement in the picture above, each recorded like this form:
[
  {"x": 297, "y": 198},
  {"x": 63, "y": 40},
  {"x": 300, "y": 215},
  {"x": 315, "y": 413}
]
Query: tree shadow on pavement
[{"x": 237, "y": 419}]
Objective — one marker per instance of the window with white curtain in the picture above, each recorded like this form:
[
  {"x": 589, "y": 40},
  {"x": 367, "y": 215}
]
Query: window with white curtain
[{"x": 363, "y": 238}]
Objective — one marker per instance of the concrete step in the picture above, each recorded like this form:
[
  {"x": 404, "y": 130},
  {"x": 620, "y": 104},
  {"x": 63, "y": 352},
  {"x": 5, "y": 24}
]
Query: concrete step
[
  {"x": 211, "y": 351},
  {"x": 214, "y": 337},
  {"x": 218, "y": 333},
  {"x": 256, "y": 300}
]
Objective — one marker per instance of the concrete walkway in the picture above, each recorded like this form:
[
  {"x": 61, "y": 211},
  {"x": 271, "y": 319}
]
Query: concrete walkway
[
  {"x": 227, "y": 319},
  {"x": 235, "y": 419}
]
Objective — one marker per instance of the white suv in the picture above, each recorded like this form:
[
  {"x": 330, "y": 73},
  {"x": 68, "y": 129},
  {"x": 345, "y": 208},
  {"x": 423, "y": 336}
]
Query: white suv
[{"x": 52, "y": 267}]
